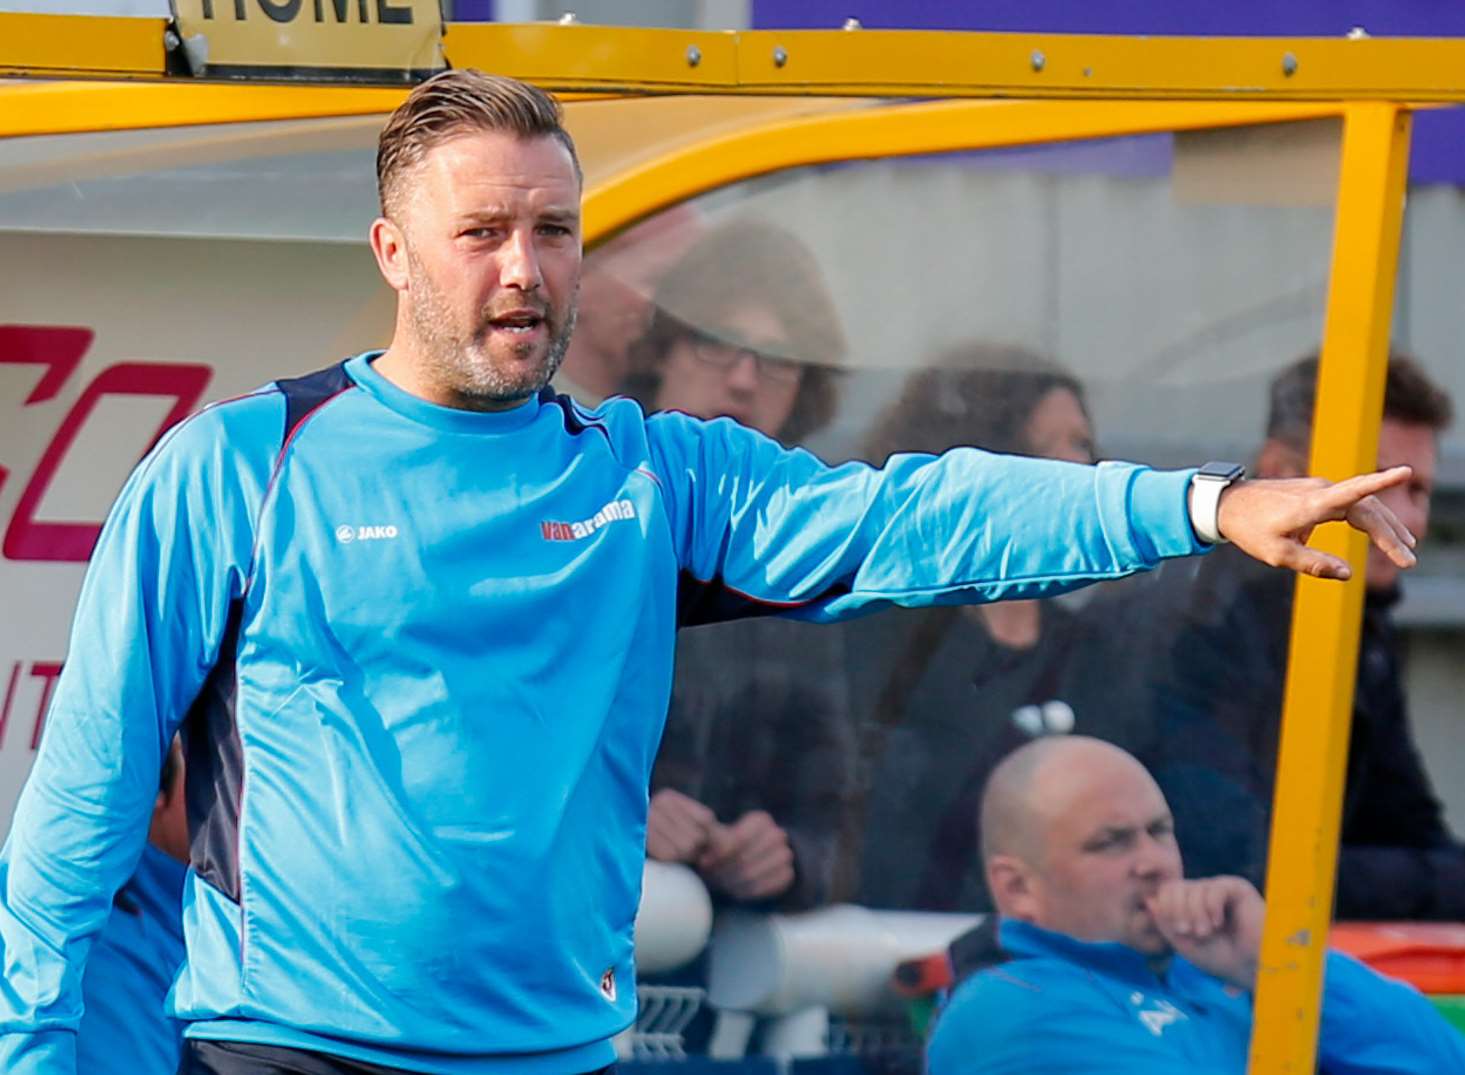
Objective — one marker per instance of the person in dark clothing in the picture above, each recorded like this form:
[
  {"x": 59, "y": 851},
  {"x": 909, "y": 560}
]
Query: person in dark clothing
[
  {"x": 749, "y": 783},
  {"x": 1220, "y": 700},
  {"x": 769, "y": 748},
  {"x": 976, "y": 701},
  {"x": 956, "y": 690}
]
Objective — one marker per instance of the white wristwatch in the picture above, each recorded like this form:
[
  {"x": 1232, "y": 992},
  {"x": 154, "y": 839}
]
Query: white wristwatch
[{"x": 1206, "y": 486}]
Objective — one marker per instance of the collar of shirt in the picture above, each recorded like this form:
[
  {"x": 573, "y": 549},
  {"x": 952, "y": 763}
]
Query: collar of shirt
[
  {"x": 443, "y": 419},
  {"x": 1119, "y": 969}
]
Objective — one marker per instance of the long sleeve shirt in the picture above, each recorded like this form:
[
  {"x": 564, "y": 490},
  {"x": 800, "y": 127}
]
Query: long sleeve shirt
[{"x": 421, "y": 657}]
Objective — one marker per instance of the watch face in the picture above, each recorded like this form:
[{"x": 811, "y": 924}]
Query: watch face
[{"x": 1221, "y": 471}]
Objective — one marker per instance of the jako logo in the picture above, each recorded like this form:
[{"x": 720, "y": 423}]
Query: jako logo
[
  {"x": 615, "y": 510},
  {"x": 346, "y": 534}
]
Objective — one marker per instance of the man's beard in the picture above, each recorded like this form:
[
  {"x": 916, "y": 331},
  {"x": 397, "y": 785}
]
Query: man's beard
[{"x": 460, "y": 364}]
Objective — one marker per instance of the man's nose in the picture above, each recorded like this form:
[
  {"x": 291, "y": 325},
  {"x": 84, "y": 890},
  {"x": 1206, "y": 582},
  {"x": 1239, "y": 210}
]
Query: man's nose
[
  {"x": 1152, "y": 857},
  {"x": 743, "y": 374},
  {"x": 519, "y": 262}
]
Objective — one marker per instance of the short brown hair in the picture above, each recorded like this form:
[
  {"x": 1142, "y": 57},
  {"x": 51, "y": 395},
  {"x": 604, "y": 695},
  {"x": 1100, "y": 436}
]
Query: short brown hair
[
  {"x": 451, "y": 103},
  {"x": 1410, "y": 397}
]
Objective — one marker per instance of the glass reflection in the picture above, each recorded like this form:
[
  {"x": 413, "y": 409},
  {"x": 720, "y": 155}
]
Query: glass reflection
[{"x": 1147, "y": 292}]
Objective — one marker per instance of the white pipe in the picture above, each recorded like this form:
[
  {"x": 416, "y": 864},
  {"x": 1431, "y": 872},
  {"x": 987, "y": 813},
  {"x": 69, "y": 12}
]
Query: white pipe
[
  {"x": 674, "y": 920},
  {"x": 840, "y": 958}
]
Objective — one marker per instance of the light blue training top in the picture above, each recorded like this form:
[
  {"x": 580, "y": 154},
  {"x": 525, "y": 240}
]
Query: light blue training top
[{"x": 422, "y": 658}]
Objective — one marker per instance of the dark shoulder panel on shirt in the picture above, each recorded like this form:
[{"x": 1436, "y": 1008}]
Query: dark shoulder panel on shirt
[
  {"x": 577, "y": 420},
  {"x": 307, "y": 394}
]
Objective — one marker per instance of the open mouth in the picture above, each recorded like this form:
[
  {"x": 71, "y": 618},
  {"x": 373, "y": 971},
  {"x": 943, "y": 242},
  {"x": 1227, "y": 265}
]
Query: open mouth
[{"x": 518, "y": 323}]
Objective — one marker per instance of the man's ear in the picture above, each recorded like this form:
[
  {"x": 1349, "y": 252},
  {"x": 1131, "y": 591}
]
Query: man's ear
[
  {"x": 1278, "y": 459},
  {"x": 390, "y": 247},
  {"x": 1012, "y": 884}
]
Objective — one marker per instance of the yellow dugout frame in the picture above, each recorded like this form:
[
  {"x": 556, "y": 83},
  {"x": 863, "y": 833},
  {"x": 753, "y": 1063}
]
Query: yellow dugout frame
[{"x": 986, "y": 91}]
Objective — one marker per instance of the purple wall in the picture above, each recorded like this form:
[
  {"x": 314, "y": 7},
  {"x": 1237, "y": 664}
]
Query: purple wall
[
  {"x": 1438, "y": 154},
  {"x": 1395, "y": 18},
  {"x": 1438, "y": 148}
]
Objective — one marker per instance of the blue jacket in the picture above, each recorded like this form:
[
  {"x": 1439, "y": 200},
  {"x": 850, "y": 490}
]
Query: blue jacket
[
  {"x": 1064, "y": 1005},
  {"x": 422, "y": 658},
  {"x": 125, "y": 1029}
]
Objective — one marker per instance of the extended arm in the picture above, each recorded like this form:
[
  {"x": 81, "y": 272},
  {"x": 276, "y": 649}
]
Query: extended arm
[
  {"x": 762, "y": 529},
  {"x": 759, "y": 528}
]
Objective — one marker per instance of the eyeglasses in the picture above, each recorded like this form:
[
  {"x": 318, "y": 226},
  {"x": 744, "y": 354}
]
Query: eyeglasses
[{"x": 722, "y": 356}]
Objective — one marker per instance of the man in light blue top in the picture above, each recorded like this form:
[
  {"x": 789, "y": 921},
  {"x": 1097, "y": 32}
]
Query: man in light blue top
[
  {"x": 1116, "y": 964},
  {"x": 415, "y": 616}
]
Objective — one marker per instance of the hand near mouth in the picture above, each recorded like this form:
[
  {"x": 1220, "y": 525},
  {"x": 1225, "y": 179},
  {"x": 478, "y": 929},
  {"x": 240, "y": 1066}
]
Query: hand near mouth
[{"x": 1216, "y": 923}]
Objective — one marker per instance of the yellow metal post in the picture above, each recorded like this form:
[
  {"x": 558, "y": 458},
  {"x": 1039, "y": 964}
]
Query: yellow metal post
[{"x": 1317, "y": 710}]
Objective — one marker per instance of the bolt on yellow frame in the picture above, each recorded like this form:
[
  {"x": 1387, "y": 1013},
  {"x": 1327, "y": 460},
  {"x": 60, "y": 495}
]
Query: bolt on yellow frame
[{"x": 1094, "y": 87}]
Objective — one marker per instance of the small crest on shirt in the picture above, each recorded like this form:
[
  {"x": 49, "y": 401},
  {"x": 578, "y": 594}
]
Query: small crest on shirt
[
  {"x": 608, "y": 984},
  {"x": 1158, "y": 1017}
]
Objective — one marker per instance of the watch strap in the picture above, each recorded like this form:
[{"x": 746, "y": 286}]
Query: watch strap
[{"x": 1206, "y": 487}]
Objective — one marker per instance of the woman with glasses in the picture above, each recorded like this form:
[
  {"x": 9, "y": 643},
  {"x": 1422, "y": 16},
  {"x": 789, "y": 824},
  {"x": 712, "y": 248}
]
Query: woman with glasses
[
  {"x": 749, "y": 783},
  {"x": 743, "y": 328}
]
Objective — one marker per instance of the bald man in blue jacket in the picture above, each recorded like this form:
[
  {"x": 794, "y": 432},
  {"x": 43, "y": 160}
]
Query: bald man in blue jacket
[{"x": 1116, "y": 963}]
